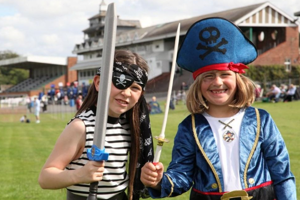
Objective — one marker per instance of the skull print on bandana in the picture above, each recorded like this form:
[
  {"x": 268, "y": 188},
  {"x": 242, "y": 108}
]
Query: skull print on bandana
[{"x": 124, "y": 75}]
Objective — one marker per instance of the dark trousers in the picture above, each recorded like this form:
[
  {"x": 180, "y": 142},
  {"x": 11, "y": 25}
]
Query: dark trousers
[{"x": 72, "y": 196}]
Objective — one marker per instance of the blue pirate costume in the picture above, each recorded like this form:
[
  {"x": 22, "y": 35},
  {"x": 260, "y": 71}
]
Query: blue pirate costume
[{"x": 264, "y": 167}]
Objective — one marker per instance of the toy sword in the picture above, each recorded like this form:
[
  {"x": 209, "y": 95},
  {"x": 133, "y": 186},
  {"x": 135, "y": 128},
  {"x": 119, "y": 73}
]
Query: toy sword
[
  {"x": 97, "y": 151},
  {"x": 161, "y": 138}
]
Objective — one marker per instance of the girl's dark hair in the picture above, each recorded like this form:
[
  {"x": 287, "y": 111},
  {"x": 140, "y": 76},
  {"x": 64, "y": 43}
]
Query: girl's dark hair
[{"x": 126, "y": 57}]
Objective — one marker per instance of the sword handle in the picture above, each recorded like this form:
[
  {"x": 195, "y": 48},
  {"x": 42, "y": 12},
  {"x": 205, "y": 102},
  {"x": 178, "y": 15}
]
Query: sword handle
[
  {"x": 95, "y": 154},
  {"x": 93, "y": 191}
]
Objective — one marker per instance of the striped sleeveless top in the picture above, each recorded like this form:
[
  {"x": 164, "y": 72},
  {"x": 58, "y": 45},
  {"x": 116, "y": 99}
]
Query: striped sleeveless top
[{"x": 117, "y": 144}]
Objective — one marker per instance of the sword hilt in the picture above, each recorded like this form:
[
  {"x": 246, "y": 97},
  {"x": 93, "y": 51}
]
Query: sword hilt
[
  {"x": 93, "y": 191},
  {"x": 161, "y": 141},
  {"x": 96, "y": 154},
  {"x": 159, "y": 146}
]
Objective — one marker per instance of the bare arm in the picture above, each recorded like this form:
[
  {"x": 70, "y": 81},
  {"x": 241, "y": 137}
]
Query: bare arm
[{"x": 68, "y": 147}]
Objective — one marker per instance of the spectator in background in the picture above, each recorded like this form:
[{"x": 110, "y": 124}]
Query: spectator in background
[
  {"x": 62, "y": 93},
  {"x": 283, "y": 89},
  {"x": 37, "y": 108},
  {"x": 183, "y": 97},
  {"x": 24, "y": 119},
  {"x": 184, "y": 86},
  {"x": 155, "y": 107},
  {"x": 29, "y": 104},
  {"x": 78, "y": 102},
  {"x": 172, "y": 106},
  {"x": 257, "y": 91},
  {"x": 51, "y": 93},
  {"x": 44, "y": 102},
  {"x": 178, "y": 97},
  {"x": 84, "y": 90},
  {"x": 274, "y": 93},
  {"x": 290, "y": 93}
]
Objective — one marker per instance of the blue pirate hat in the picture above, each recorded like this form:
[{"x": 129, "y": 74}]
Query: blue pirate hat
[{"x": 215, "y": 44}]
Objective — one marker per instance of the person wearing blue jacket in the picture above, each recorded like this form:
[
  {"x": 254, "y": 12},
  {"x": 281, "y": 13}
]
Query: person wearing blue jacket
[{"x": 225, "y": 149}]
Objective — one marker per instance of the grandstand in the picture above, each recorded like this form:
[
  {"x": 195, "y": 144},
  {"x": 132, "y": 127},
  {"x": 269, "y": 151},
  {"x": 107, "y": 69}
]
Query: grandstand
[{"x": 44, "y": 72}]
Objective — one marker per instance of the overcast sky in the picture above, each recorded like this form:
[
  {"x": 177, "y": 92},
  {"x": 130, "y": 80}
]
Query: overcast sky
[{"x": 53, "y": 27}]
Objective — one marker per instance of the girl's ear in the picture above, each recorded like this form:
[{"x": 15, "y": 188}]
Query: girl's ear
[{"x": 96, "y": 82}]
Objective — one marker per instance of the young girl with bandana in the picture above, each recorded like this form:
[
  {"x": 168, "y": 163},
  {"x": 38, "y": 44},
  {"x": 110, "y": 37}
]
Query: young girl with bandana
[
  {"x": 128, "y": 137},
  {"x": 226, "y": 149}
]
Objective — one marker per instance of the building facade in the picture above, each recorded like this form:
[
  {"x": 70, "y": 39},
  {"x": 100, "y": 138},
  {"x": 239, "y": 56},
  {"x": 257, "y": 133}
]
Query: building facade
[{"x": 274, "y": 33}]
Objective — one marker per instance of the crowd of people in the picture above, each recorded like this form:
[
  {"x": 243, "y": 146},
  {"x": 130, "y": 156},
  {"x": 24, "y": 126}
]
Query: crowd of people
[
  {"x": 283, "y": 93},
  {"x": 68, "y": 94}
]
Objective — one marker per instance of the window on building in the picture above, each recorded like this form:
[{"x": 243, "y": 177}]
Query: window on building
[
  {"x": 287, "y": 64},
  {"x": 261, "y": 36},
  {"x": 274, "y": 34}
]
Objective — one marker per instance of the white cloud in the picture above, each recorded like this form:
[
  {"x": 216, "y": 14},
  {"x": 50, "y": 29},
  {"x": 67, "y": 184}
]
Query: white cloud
[{"x": 11, "y": 34}]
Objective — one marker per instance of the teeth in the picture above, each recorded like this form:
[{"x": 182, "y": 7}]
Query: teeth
[
  {"x": 122, "y": 101},
  {"x": 218, "y": 92}
]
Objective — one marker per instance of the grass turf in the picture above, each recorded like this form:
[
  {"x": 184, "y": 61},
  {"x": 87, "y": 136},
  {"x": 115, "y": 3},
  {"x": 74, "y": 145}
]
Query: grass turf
[{"x": 25, "y": 147}]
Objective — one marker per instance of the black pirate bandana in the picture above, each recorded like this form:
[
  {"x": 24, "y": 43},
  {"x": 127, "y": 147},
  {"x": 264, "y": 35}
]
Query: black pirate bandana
[{"x": 124, "y": 75}]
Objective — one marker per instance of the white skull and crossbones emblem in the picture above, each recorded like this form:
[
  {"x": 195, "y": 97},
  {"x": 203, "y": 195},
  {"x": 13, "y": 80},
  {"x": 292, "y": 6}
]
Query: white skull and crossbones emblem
[{"x": 121, "y": 80}]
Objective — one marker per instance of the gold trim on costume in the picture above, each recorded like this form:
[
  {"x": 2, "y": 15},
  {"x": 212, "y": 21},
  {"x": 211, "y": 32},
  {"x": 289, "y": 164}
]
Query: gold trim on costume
[
  {"x": 237, "y": 194},
  {"x": 172, "y": 188},
  {"x": 253, "y": 148},
  {"x": 205, "y": 156}
]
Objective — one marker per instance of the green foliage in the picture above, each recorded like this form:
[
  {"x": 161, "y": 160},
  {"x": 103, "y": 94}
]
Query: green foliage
[
  {"x": 264, "y": 74},
  {"x": 25, "y": 147},
  {"x": 8, "y": 75}
]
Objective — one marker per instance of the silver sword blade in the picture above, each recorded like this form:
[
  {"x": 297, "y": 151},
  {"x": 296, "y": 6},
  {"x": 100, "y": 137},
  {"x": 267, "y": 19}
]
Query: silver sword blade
[
  {"x": 106, "y": 76},
  {"x": 161, "y": 137}
]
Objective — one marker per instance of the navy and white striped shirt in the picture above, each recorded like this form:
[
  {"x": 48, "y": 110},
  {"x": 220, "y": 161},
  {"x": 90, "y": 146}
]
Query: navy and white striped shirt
[{"x": 117, "y": 144}]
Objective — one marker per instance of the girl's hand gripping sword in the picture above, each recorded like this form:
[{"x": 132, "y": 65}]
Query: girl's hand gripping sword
[
  {"x": 97, "y": 152},
  {"x": 161, "y": 138}
]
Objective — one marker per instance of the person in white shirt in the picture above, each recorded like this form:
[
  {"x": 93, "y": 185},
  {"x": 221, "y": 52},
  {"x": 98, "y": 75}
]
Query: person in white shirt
[
  {"x": 274, "y": 93},
  {"x": 290, "y": 93},
  {"x": 37, "y": 108}
]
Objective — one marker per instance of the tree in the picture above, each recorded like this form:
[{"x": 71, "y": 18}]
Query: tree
[{"x": 8, "y": 75}]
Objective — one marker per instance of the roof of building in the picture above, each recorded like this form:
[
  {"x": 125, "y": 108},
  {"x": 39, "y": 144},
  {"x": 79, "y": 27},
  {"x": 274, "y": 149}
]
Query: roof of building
[
  {"x": 262, "y": 14},
  {"x": 33, "y": 61}
]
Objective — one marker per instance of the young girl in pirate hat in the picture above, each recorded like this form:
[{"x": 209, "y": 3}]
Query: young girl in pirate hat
[
  {"x": 128, "y": 137},
  {"x": 226, "y": 149}
]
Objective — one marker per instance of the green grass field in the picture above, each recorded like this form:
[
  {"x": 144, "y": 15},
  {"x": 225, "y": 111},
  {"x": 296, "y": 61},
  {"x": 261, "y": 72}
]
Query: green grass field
[{"x": 25, "y": 147}]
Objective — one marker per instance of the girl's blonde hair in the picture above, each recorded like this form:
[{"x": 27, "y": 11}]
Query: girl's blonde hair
[{"x": 244, "y": 96}]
